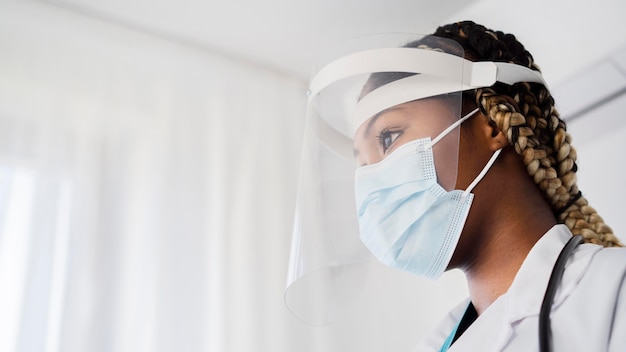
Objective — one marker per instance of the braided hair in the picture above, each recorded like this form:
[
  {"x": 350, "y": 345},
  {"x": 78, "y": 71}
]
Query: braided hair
[{"x": 525, "y": 113}]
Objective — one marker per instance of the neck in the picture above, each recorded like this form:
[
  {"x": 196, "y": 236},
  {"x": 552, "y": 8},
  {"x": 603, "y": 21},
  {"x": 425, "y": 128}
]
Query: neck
[
  {"x": 490, "y": 278},
  {"x": 521, "y": 218}
]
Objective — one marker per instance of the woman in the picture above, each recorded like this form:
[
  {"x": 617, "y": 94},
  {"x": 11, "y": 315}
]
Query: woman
[
  {"x": 510, "y": 239},
  {"x": 496, "y": 198}
]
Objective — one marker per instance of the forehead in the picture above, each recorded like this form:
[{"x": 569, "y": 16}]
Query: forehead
[{"x": 429, "y": 116}]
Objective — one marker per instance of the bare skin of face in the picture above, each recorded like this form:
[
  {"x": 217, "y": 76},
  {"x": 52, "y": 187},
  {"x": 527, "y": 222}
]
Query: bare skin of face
[
  {"x": 382, "y": 134},
  {"x": 508, "y": 214}
]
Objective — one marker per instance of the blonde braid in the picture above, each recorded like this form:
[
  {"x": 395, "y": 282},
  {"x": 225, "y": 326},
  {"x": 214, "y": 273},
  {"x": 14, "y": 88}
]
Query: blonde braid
[
  {"x": 525, "y": 112},
  {"x": 558, "y": 185}
]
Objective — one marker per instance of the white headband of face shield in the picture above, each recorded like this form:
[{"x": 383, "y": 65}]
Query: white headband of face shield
[{"x": 436, "y": 73}]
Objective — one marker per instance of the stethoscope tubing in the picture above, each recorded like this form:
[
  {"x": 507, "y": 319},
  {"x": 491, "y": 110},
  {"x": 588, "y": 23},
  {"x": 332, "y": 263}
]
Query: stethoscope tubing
[{"x": 545, "y": 332}]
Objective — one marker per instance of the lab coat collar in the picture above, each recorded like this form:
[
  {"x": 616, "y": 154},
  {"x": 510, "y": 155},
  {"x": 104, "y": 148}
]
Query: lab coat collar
[{"x": 524, "y": 297}]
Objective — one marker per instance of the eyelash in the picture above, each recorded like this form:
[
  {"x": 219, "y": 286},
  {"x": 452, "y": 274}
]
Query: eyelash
[{"x": 385, "y": 134}]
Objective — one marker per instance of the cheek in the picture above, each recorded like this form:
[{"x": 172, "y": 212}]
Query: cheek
[
  {"x": 472, "y": 158},
  {"x": 446, "y": 162},
  {"x": 462, "y": 179}
]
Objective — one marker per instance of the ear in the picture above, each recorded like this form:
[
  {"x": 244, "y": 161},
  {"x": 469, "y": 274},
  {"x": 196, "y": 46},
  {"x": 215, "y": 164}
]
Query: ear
[{"x": 496, "y": 138}]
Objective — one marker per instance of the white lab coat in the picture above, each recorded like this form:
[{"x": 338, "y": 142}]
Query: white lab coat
[{"x": 588, "y": 314}]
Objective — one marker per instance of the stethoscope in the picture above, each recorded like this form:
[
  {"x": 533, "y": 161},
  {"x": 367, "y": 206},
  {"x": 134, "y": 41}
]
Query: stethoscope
[{"x": 545, "y": 332}]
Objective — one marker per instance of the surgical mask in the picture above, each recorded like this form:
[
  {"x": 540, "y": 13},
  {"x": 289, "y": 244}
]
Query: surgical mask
[{"x": 406, "y": 219}]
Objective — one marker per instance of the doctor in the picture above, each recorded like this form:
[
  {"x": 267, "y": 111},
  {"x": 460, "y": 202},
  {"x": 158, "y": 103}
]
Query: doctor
[
  {"x": 451, "y": 150},
  {"x": 514, "y": 202}
]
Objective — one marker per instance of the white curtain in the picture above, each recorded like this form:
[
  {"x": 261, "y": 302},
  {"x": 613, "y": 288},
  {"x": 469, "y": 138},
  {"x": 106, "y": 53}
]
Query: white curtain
[
  {"x": 146, "y": 199},
  {"x": 146, "y": 190}
]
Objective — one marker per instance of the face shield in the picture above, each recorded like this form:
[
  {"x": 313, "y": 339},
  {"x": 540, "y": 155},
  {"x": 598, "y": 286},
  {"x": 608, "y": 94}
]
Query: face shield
[{"x": 366, "y": 101}]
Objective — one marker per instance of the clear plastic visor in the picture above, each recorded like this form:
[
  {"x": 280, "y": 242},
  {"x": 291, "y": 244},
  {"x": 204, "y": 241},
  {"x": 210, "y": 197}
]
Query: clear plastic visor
[{"x": 367, "y": 100}]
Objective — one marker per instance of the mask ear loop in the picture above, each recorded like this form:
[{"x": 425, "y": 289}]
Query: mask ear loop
[
  {"x": 489, "y": 163},
  {"x": 451, "y": 127},
  {"x": 482, "y": 173}
]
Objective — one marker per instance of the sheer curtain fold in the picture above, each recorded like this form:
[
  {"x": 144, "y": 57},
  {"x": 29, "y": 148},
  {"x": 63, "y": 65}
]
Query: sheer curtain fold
[{"x": 157, "y": 185}]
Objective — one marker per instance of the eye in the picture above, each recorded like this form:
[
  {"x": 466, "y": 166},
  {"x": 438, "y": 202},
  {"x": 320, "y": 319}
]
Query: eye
[{"x": 387, "y": 137}]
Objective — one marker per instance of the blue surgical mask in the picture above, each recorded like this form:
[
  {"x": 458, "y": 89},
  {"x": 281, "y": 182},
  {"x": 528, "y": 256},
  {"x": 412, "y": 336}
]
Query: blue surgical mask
[{"x": 406, "y": 219}]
